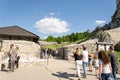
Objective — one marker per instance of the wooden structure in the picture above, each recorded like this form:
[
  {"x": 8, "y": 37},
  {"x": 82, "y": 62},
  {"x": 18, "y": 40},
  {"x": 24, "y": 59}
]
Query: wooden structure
[
  {"x": 103, "y": 46},
  {"x": 17, "y": 33}
]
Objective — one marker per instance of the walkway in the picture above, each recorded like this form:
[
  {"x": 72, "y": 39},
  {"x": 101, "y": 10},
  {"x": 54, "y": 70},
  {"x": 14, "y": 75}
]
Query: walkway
[
  {"x": 57, "y": 69},
  {"x": 65, "y": 70},
  {"x": 30, "y": 72}
]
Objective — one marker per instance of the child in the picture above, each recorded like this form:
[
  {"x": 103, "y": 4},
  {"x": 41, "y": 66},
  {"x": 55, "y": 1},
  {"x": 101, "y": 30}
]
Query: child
[
  {"x": 90, "y": 62},
  {"x": 96, "y": 65}
]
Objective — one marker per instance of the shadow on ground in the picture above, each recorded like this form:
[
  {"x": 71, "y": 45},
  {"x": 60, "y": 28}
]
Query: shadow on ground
[
  {"x": 5, "y": 70},
  {"x": 64, "y": 75}
]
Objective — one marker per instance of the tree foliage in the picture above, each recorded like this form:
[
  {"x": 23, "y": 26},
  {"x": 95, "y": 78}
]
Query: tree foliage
[
  {"x": 50, "y": 39},
  {"x": 69, "y": 38}
]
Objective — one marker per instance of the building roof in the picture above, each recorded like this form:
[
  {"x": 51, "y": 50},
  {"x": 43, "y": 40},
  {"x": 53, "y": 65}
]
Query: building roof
[{"x": 16, "y": 31}]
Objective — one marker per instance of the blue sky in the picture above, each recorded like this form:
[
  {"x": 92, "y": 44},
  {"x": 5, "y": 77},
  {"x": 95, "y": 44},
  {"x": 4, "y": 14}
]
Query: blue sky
[{"x": 56, "y": 17}]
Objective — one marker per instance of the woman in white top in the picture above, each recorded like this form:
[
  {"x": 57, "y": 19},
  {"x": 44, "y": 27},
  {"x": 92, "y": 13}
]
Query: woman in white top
[{"x": 104, "y": 66}]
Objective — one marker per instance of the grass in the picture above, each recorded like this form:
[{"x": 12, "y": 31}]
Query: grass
[
  {"x": 82, "y": 40},
  {"x": 55, "y": 46},
  {"x": 118, "y": 52}
]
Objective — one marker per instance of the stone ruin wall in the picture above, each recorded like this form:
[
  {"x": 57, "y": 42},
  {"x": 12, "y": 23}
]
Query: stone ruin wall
[
  {"x": 27, "y": 49},
  {"x": 115, "y": 35},
  {"x": 89, "y": 44}
]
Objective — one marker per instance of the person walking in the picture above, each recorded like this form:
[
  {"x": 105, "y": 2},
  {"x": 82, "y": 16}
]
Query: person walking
[
  {"x": 105, "y": 69},
  {"x": 90, "y": 62},
  {"x": 12, "y": 57},
  {"x": 85, "y": 61},
  {"x": 114, "y": 61},
  {"x": 78, "y": 61},
  {"x": 17, "y": 57},
  {"x": 96, "y": 61}
]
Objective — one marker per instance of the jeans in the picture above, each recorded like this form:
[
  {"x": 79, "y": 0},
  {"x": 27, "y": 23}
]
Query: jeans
[
  {"x": 106, "y": 76},
  {"x": 12, "y": 63},
  {"x": 114, "y": 73},
  {"x": 84, "y": 68}
]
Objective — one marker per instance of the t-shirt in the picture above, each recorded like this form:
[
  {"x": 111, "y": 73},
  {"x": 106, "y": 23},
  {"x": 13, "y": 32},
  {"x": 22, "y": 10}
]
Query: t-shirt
[
  {"x": 18, "y": 53},
  {"x": 78, "y": 57},
  {"x": 96, "y": 63},
  {"x": 13, "y": 54},
  {"x": 85, "y": 56},
  {"x": 105, "y": 67},
  {"x": 114, "y": 60}
]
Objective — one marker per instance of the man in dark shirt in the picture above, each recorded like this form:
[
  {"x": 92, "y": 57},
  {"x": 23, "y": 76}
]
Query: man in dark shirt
[{"x": 114, "y": 61}]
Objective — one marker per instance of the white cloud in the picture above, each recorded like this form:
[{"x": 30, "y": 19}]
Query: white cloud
[
  {"x": 52, "y": 25},
  {"x": 100, "y": 22}
]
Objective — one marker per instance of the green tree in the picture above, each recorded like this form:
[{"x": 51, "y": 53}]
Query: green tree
[
  {"x": 50, "y": 39},
  {"x": 58, "y": 40}
]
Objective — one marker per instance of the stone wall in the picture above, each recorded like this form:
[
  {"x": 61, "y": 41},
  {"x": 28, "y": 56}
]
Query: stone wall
[
  {"x": 26, "y": 48},
  {"x": 70, "y": 49},
  {"x": 43, "y": 43},
  {"x": 115, "y": 35}
]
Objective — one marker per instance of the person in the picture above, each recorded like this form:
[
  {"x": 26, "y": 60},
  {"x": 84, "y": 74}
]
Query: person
[
  {"x": 9, "y": 55},
  {"x": 114, "y": 61},
  {"x": 90, "y": 62},
  {"x": 17, "y": 57},
  {"x": 104, "y": 66},
  {"x": 96, "y": 65},
  {"x": 2, "y": 65},
  {"x": 1, "y": 55},
  {"x": 78, "y": 61},
  {"x": 85, "y": 61},
  {"x": 49, "y": 53},
  {"x": 12, "y": 57},
  {"x": 53, "y": 53}
]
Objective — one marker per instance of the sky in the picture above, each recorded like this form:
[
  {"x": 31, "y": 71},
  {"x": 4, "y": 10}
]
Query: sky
[{"x": 56, "y": 17}]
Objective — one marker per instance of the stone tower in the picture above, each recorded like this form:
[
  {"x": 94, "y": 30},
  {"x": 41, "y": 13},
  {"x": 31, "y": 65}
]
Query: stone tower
[{"x": 116, "y": 17}]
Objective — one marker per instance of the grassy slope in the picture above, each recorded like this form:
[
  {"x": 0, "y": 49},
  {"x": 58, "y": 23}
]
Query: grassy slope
[
  {"x": 118, "y": 52},
  {"x": 55, "y": 46}
]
